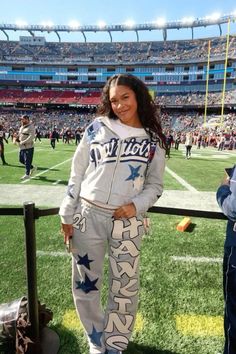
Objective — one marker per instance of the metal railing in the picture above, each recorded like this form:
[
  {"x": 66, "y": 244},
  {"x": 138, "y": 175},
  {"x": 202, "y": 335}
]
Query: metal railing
[{"x": 30, "y": 214}]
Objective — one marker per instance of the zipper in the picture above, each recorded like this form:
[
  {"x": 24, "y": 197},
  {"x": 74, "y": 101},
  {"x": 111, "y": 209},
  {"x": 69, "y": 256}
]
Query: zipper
[
  {"x": 114, "y": 170},
  {"x": 129, "y": 137}
]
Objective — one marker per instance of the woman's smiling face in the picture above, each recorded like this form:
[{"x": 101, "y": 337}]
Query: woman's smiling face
[{"x": 124, "y": 105}]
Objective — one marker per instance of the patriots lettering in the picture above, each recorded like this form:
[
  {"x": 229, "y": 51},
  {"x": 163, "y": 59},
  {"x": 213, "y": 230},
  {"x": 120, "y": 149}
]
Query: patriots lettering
[
  {"x": 135, "y": 148},
  {"x": 108, "y": 151},
  {"x": 103, "y": 152}
]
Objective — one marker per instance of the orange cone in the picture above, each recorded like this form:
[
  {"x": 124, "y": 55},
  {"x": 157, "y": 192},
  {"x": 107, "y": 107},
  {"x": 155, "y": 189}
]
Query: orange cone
[{"x": 182, "y": 226}]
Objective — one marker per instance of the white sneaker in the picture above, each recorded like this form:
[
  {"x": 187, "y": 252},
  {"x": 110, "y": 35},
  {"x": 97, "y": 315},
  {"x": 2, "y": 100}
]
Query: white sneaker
[
  {"x": 33, "y": 170},
  {"x": 23, "y": 178}
]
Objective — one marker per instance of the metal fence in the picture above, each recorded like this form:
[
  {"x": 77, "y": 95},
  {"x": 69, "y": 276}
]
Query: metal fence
[{"x": 31, "y": 214}]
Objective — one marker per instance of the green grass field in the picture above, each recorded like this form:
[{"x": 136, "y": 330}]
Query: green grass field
[{"x": 181, "y": 301}]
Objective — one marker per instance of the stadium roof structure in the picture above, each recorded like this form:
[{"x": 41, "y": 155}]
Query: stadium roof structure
[{"x": 158, "y": 25}]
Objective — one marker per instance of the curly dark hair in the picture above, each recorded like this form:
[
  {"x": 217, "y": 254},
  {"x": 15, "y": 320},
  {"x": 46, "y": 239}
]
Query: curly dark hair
[{"x": 148, "y": 112}]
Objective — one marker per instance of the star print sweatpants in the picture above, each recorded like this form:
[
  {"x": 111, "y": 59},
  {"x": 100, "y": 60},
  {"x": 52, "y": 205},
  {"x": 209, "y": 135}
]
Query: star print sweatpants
[{"x": 95, "y": 232}]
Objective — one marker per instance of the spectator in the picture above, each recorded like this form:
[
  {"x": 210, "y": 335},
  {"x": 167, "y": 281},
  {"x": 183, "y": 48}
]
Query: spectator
[
  {"x": 77, "y": 136},
  {"x": 177, "y": 141},
  {"x": 226, "y": 197},
  {"x": 2, "y": 138},
  {"x": 188, "y": 144},
  {"x": 26, "y": 144},
  {"x": 199, "y": 141},
  {"x": 169, "y": 141},
  {"x": 53, "y": 137},
  {"x": 37, "y": 134},
  {"x": 221, "y": 143}
]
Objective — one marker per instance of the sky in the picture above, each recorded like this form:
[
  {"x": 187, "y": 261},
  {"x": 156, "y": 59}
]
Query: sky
[{"x": 91, "y": 12}]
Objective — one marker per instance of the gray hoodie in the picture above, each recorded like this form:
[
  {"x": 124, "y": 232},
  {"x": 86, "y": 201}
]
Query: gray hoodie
[{"x": 114, "y": 171}]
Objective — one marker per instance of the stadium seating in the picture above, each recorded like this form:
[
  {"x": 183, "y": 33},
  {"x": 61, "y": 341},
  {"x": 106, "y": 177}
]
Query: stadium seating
[
  {"x": 159, "y": 51},
  {"x": 47, "y": 97}
]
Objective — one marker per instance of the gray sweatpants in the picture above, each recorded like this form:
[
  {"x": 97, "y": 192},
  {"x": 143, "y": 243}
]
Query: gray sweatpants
[{"x": 94, "y": 230}]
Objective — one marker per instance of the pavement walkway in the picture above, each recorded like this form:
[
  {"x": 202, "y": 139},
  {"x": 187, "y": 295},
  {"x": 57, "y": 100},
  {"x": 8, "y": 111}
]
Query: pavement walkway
[{"x": 51, "y": 196}]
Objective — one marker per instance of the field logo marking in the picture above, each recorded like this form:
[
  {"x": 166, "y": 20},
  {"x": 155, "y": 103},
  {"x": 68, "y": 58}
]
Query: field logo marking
[
  {"x": 199, "y": 325},
  {"x": 71, "y": 320},
  {"x": 139, "y": 323}
]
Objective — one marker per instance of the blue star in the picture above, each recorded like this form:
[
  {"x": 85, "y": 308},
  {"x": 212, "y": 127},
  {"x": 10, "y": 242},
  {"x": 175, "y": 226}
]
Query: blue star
[
  {"x": 93, "y": 130},
  {"x": 134, "y": 173},
  {"x": 87, "y": 285},
  {"x": 91, "y": 134},
  {"x": 84, "y": 261},
  {"x": 69, "y": 188},
  {"x": 96, "y": 337}
]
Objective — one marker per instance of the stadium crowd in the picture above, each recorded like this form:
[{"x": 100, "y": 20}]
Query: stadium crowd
[
  {"x": 92, "y": 97},
  {"x": 45, "y": 121},
  {"x": 158, "y": 51},
  {"x": 181, "y": 112},
  {"x": 177, "y": 123},
  {"x": 196, "y": 99}
]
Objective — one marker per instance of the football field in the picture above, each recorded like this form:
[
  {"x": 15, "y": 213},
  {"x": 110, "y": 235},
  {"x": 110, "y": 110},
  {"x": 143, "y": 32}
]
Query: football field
[{"x": 181, "y": 300}]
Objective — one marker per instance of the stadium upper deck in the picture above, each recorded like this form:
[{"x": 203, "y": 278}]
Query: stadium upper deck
[
  {"x": 160, "y": 52},
  {"x": 165, "y": 66}
]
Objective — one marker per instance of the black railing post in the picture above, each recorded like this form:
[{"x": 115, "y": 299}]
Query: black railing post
[{"x": 30, "y": 241}]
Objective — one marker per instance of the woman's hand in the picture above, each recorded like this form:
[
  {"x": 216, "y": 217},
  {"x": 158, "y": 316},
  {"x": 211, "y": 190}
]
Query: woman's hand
[
  {"x": 67, "y": 231},
  {"x": 125, "y": 211}
]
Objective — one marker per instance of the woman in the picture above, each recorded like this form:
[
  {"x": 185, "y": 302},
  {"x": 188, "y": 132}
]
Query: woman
[
  {"x": 188, "y": 144},
  {"x": 116, "y": 175}
]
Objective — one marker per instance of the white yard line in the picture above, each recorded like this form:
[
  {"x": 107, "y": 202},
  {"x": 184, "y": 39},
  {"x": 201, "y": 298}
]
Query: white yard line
[
  {"x": 55, "y": 254},
  {"x": 58, "y": 181},
  {"x": 40, "y": 148},
  {"x": 52, "y": 254},
  {"x": 186, "y": 259},
  {"x": 45, "y": 171},
  {"x": 181, "y": 180},
  {"x": 196, "y": 259}
]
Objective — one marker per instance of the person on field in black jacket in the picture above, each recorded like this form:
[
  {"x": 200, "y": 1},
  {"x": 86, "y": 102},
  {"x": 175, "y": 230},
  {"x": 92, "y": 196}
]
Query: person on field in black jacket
[{"x": 2, "y": 139}]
